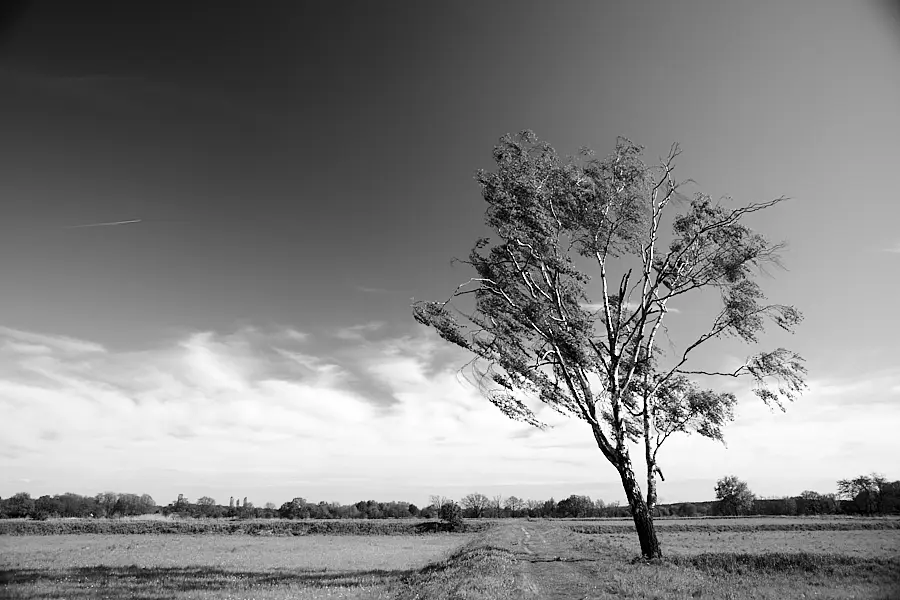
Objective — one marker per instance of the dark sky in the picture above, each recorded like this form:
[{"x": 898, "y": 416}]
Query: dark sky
[{"x": 308, "y": 166}]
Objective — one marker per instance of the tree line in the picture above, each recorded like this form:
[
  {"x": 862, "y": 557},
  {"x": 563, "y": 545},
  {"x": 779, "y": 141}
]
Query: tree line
[{"x": 862, "y": 495}]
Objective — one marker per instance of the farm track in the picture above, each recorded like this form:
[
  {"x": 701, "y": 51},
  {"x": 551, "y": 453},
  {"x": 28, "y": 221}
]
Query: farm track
[{"x": 551, "y": 565}]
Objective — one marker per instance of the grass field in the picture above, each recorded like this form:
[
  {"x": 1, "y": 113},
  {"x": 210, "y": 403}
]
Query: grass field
[
  {"x": 516, "y": 559},
  {"x": 214, "y": 566}
]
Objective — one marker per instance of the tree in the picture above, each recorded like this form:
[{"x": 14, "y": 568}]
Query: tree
[
  {"x": 535, "y": 333},
  {"x": 514, "y": 505},
  {"x": 46, "y": 507},
  {"x": 206, "y": 506},
  {"x": 476, "y": 504},
  {"x": 866, "y": 491},
  {"x": 496, "y": 505},
  {"x": 438, "y": 500},
  {"x": 106, "y": 503},
  {"x": 451, "y": 513},
  {"x": 734, "y": 496},
  {"x": 21, "y": 505},
  {"x": 148, "y": 504},
  {"x": 575, "y": 506},
  {"x": 533, "y": 507}
]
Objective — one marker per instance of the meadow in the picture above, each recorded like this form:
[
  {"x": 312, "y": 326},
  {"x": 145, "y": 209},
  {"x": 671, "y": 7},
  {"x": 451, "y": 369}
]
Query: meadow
[{"x": 511, "y": 558}]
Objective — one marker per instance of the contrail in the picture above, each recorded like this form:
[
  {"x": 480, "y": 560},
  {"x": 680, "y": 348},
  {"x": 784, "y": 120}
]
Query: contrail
[{"x": 104, "y": 224}]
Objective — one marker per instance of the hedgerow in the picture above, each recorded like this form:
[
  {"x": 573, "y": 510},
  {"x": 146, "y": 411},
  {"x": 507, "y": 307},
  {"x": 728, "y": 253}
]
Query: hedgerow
[
  {"x": 216, "y": 527},
  {"x": 744, "y": 527}
]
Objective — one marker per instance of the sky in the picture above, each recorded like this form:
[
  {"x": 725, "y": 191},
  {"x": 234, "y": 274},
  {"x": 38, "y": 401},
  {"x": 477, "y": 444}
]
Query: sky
[{"x": 276, "y": 181}]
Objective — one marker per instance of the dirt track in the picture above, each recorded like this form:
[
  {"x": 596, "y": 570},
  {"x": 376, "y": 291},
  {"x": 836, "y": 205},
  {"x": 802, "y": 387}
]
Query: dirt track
[{"x": 552, "y": 565}]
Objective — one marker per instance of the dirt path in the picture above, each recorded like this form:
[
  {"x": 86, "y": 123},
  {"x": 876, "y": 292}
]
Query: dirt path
[{"x": 552, "y": 565}]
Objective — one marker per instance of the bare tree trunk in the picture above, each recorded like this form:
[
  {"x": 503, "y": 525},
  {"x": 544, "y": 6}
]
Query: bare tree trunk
[
  {"x": 651, "y": 489},
  {"x": 640, "y": 512}
]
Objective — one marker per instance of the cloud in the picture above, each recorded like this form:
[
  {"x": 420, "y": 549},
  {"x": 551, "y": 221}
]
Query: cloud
[
  {"x": 358, "y": 332},
  {"x": 895, "y": 249},
  {"x": 249, "y": 402},
  {"x": 269, "y": 413},
  {"x": 40, "y": 343}
]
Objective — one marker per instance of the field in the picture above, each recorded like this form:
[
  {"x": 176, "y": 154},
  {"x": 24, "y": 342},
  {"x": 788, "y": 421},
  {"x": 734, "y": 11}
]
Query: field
[
  {"x": 214, "y": 566},
  {"x": 521, "y": 559}
]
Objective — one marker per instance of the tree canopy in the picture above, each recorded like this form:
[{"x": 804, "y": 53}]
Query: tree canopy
[{"x": 536, "y": 333}]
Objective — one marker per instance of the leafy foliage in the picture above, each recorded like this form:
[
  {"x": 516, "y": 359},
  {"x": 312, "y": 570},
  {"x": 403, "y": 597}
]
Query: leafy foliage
[
  {"x": 734, "y": 496},
  {"x": 452, "y": 514}
]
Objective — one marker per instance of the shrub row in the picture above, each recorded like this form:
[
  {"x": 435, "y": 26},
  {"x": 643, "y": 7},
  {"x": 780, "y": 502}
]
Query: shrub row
[
  {"x": 266, "y": 527},
  {"x": 744, "y": 527}
]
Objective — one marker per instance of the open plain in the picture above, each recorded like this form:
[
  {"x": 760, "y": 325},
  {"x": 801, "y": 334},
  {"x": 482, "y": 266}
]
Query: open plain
[{"x": 516, "y": 558}]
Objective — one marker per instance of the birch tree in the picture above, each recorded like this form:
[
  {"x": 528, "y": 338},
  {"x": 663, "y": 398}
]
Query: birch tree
[{"x": 536, "y": 333}]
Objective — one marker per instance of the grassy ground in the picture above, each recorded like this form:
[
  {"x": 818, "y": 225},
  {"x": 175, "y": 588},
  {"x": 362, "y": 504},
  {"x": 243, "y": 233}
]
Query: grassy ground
[
  {"x": 517, "y": 559},
  {"x": 154, "y": 567}
]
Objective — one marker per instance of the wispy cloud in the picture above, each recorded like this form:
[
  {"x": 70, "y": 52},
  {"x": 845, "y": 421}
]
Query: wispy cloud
[
  {"x": 106, "y": 224},
  {"x": 358, "y": 332},
  {"x": 32, "y": 342},
  {"x": 895, "y": 249}
]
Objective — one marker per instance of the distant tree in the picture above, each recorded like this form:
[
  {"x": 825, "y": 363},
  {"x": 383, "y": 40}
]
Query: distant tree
[
  {"x": 206, "y": 507},
  {"x": 548, "y": 508},
  {"x": 496, "y": 505},
  {"x": 813, "y": 503},
  {"x": 536, "y": 333},
  {"x": 686, "y": 509},
  {"x": 868, "y": 492},
  {"x": 106, "y": 504},
  {"x": 47, "y": 507},
  {"x": 452, "y": 514},
  {"x": 533, "y": 507},
  {"x": 734, "y": 496},
  {"x": 575, "y": 506},
  {"x": 21, "y": 505},
  {"x": 514, "y": 506},
  {"x": 437, "y": 501},
  {"x": 413, "y": 510},
  {"x": 132, "y": 504},
  {"x": 247, "y": 510},
  {"x": 297, "y": 508},
  {"x": 476, "y": 504},
  {"x": 148, "y": 504}
]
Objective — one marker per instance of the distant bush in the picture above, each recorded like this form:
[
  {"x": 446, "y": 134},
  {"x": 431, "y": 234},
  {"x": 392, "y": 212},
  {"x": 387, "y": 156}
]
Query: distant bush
[{"x": 451, "y": 513}]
